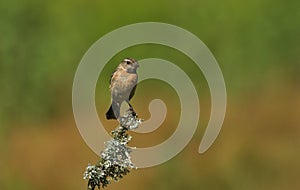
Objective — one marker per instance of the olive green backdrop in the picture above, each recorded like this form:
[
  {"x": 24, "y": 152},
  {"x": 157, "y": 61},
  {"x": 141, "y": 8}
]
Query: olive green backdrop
[{"x": 256, "y": 44}]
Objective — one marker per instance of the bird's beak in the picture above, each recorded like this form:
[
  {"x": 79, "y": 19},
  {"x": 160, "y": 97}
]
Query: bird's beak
[{"x": 137, "y": 65}]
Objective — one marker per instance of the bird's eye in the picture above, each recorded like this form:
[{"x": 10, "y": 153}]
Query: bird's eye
[{"x": 128, "y": 62}]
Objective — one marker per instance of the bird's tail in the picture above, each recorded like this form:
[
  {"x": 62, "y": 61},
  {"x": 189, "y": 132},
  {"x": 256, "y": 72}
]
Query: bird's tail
[{"x": 113, "y": 111}]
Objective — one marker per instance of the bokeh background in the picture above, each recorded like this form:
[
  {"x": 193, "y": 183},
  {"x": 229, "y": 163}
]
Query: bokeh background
[{"x": 256, "y": 44}]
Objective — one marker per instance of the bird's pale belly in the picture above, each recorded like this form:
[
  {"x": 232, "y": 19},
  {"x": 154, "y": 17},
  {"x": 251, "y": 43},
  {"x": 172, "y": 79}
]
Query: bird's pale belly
[{"x": 121, "y": 89}]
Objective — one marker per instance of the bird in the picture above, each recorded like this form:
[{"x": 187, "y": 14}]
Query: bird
[{"x": 123, "y": 83}]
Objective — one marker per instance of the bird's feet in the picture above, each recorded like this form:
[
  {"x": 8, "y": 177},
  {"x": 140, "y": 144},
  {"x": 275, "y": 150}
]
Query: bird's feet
[{"x": 132, "y": 112}]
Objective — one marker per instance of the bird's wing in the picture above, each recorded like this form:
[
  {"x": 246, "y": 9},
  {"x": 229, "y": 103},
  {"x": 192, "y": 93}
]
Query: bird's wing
[{"x": 132, "y": 92}]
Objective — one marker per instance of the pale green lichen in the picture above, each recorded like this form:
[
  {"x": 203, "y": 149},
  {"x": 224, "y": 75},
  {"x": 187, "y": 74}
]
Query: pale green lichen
[{"x": 115, "y": 160}]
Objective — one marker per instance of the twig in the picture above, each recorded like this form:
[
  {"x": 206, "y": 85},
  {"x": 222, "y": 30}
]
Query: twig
[{"x": 115, "y": 161}]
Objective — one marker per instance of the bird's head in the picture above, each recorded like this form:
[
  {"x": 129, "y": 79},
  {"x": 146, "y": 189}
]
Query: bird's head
[{"x": 130, "y": 65}]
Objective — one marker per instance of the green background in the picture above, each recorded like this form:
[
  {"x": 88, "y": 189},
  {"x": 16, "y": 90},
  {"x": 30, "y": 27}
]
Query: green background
[{"x": 257, "y": 47}]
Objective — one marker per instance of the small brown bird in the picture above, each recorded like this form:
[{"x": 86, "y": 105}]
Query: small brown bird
[{"x": 122, "y": 87}]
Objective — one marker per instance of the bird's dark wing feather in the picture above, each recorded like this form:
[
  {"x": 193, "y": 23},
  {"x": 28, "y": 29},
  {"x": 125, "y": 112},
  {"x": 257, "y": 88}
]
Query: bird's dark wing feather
[{"x": 132, "y": 92}]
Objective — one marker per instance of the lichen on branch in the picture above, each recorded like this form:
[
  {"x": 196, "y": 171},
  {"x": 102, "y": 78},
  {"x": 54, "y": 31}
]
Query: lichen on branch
[{"x": 115, "y": 161}]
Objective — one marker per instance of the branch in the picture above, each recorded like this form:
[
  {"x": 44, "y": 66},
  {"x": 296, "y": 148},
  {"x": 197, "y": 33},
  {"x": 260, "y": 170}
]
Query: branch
[{"x": 115, "y": 161}]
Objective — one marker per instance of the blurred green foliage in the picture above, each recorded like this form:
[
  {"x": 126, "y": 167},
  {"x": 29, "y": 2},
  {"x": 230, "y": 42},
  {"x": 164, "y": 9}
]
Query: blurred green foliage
[
  {"x": 255, "y": 42},
  {"x": 42, "y": 43}
]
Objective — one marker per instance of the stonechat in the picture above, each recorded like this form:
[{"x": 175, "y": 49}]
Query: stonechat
[{"x": 123, "y": 82}]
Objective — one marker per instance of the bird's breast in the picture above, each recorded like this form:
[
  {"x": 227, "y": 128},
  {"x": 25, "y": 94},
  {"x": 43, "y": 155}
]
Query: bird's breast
[{"x": 122, "y": 86}]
